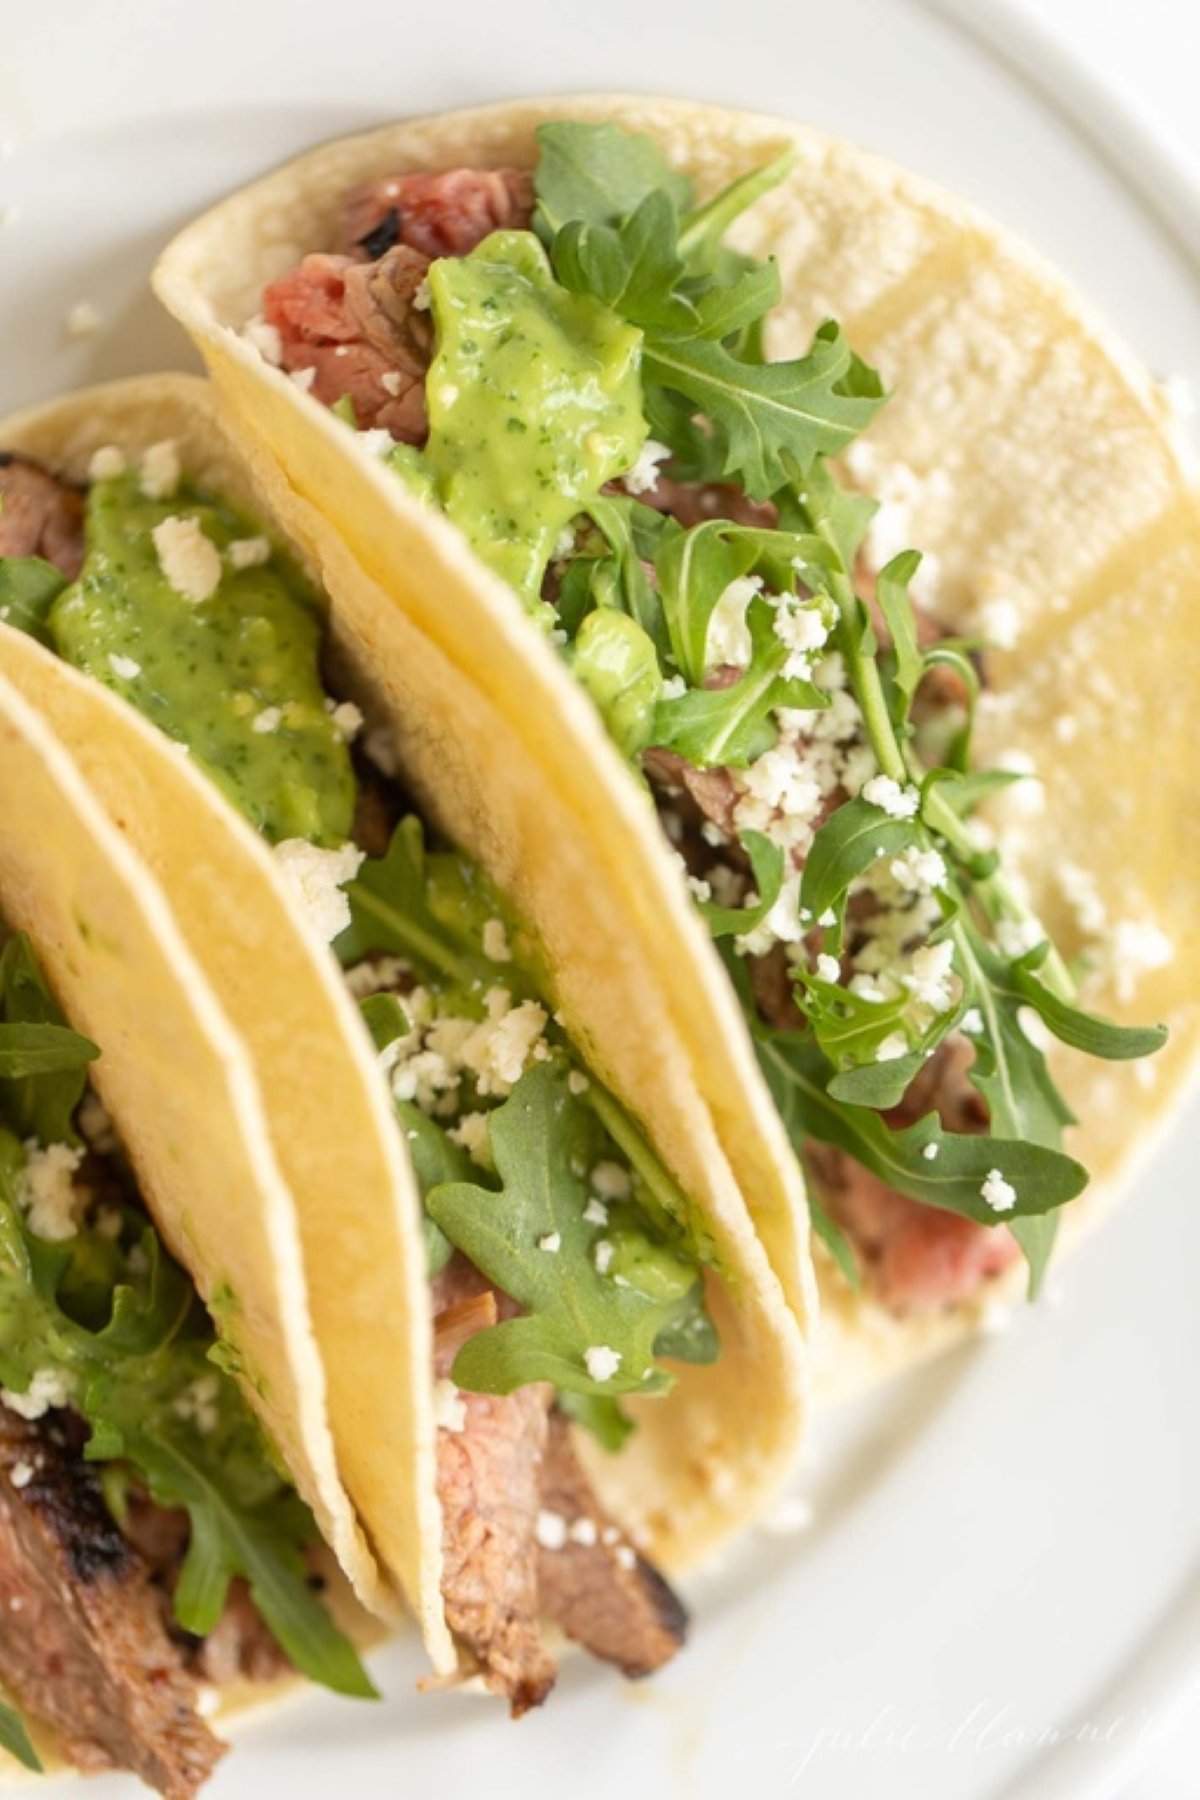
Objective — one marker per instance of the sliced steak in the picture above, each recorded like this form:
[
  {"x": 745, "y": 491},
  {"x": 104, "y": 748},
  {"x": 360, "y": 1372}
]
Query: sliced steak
[
  {"x": 698, "y": 502},
  {"x": 40, "y": 515},
  {"x": 84, "y": 1649},
  {"x": 488, "y": 1480},
  {"x": 714, "y": 790},
  {"x": 442, "y": 214},
  {"x": 355, "y": 325},
  {"x": 596, "y": 1587}
]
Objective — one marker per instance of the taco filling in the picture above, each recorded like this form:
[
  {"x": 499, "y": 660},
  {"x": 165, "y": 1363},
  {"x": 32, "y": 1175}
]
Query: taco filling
[
  {"x": 567, "y": 1267},
  {"x": 150, "y": 1551},
  {"x": 572, "y": 366}
]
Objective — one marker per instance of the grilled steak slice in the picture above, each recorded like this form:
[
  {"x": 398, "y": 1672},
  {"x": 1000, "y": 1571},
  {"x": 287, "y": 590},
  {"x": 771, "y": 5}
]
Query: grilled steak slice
[
  {"x": 446, "y": 213},
  {"x": 595, "y": 1586},
  {"x": 39, "y": 515},
  {"x": 84, "y": 1647},
  {"x": 488, "y": 1477}
]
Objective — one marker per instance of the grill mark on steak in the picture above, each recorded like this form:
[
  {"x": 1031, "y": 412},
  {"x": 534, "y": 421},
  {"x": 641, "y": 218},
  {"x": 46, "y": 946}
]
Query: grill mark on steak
[
  {"x": 90, "y": 1655},
  {"x": 602, "y": 1593},
  {"x": 39, "y": 514},
  {"x": 488, "y": 1479}
]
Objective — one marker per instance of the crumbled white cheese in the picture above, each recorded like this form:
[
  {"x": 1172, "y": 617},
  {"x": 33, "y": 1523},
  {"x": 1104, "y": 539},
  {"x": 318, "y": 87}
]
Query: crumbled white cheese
[
  {"x": 190, "y": 561},
  {"x": 106, "y": 463},
  {"x": 595, "y": 1212},
  {"x": 602, "y": 1256},
  {"x": 803, "y": 630},
  {"x": 124, "y": 667},
  {"x": 828, "y": 968},
  {"x": 551, "y": 1243},
  {"x": 644, "y": 474},
  {"x": 728, "y": 640},
  {"x": 347, "y": 719},
  {"x": 377, "y": 442},
  {"x": 391, "y": 381},
  {"x": 577, "y": 1082},
  {"x": 898, "y": 802},
  {"x": 674, "y": 687},
  {"x": 550, "y": 1530},
  {"x": 83, "y": 319},
  {"x": 1000, "y": 1195},
  {"x": 583, "y": 1531},
  {"x": 268, "y": 721},
  {"x": 47, "y": 1388},
  {"x": 160, "y": 470},
  {"x": 449, "y": 1407},
  {"x": 1135, "y": 948},
  {"x": 316, "y": 878},
  {"x": 473, "y": 1134},
  {"x": 930, "y": 980},
  {"x": 999, "y": 621},
  {"x": 249, "y": 553},
  {"x": 21, "y": 1474},
  {"x": 495, "y": 941},
  {"x": 264, "y": 338},
  {"x": 930, "y": 1152},
  {"x": 626, "y": 1556},
  {"x": 421, "y": 300},
  {"x": 918, "y": 871},
  {"x": 601, "y": 1362},
  {"x": 892, "y": 1048},
  {"x": 612, "y": 1181},
  {"x": 1016, "y": 937},
  {"x": 972, "y": 1021},
  {"x": 377, "y": 974},
  {"x": 379, "y": 747},
  {"x": 198, "y": 1404},
  {"x": 303, "y": 378},
  {"x": 95, "y": 1124},
  {"x": 47, "y": 1193}
]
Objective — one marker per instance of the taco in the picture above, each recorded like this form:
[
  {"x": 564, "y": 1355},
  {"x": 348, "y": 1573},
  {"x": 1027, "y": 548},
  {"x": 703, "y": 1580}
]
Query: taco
[
  {"x": 539, "y": 1301},
  {"x": 163, "y": 1427},
  {"x": 557, "y": 378}
]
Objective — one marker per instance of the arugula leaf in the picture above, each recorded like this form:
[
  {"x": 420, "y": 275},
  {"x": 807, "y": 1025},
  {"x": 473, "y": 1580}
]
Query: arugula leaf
[
  {"x": 1083, "y": 1030},
  {"x": 1009, "y": 1071},
  {"x": 876, "y": 1084},
  {"x": 28, "y": 589},
  {"x": 606, "y": 1419},
  {"x": 147, "y": 1384},
  {"x": 632, "y": 267},
  {"x": 540, "y": 1135},
  {"x": 892, "y": 592},
  {"x": 694, "y": 568},
  {"x": 848, "y": 842},
  {"x": 390, "y": 910},
  {"x": 773, "y": 419},
  {"x": 798, "y": 1077},
  {"x": 15, "y": 1739},
  {"x": 731, "y": 726},
  {"x": 702, "y": 230},
  {"x": 633, "y": 534},
  {"x": 834, "y": 1240},
  {"x": 766, "y": 865},
  {"x": 435, "y": 1160},
  {"x": 37, "y": 1101},
  {"x": 385, "y": 1018},
  {"x": 965, "y": 790},
  {"x": 599, "y": 174}
]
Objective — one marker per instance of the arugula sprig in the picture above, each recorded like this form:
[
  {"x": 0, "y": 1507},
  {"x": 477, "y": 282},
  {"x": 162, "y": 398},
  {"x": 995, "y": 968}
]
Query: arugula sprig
[
  {"x": 121, "y": 1326},
  {"x": 534, "y": 1237},
  {"x": 619, "y": 226},
  {"x": 15, "y": 1739}
]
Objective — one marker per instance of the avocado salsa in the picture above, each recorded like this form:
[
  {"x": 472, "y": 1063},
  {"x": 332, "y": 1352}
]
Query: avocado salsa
[
  {"x": 186, "y": 610},
  {"x": 573, "y": 366}
]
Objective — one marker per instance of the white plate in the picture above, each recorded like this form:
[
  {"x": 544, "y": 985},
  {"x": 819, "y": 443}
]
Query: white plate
[{"x": 1000, "y": 1584}]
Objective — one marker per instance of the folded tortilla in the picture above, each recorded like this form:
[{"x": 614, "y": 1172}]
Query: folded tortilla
[
  {"x": 181, "y": 1089},
  {"x": 703, "y": 1459},
  {"x": 1044, "y": 470}
]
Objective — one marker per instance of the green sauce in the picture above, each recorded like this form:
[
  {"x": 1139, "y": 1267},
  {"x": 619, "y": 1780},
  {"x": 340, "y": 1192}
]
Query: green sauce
[
  {"x": 204, "y": 672},
  {"x": 534, "y": 402}
]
